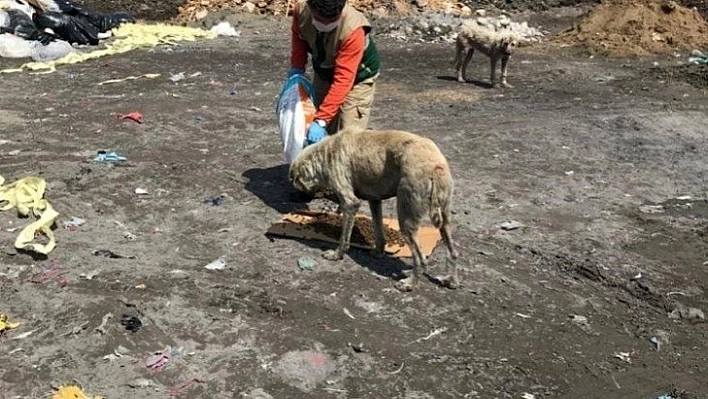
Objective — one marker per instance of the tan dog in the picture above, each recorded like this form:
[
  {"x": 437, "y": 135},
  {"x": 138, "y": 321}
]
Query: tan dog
[
  {"x": 497, "y": 45},
  {"x": 376, "y": 165}
]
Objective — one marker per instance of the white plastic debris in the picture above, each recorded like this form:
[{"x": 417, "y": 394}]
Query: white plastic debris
[
  {"x": 141, "y": 191},
  {"x": 218, "y": 264},
  {"x": 510, "y": 225},
  {"x": 225, "y": 29}
]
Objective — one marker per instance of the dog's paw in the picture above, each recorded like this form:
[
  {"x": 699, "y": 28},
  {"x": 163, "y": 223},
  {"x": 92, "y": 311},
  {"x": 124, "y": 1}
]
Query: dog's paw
[
  {"x": 462, "y": 80},
  {"x": 405, "y": 285},
  {"x": 331, "y": 254},
  {"x": 502, "y": 85}
]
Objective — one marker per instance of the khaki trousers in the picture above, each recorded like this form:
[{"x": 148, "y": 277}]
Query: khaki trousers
[{"x": 356, "y": 109}]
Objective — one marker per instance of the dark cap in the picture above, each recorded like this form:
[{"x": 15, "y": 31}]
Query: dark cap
[{"x": 326, "y": 8}]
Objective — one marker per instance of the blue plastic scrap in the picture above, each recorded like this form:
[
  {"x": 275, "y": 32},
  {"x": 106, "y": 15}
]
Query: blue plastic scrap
[{"x": 109, "y": 157}]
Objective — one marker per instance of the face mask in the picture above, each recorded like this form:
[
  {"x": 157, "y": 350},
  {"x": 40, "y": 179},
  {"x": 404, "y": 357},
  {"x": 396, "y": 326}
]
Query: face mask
[{"x": 322, "y": 27}]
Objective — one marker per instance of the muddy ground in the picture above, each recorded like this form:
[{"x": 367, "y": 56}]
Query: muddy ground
[{"x": 565, "y": 306}]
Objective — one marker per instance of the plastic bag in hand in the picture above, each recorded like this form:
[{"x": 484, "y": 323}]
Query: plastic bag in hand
[
  {"x": 73, "y": 29},
  {"x": 23, "y": 26}
]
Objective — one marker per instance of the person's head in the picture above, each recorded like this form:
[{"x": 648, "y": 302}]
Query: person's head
[{"x": 326, "y": 13}]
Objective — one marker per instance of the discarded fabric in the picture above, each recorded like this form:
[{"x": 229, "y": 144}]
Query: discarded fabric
[
  {"x": 27, "y": 194},
  {"x": 6, "y": 324},
  {"x": 698, "y": 57},
  {"x": 224, "y": 29},
  {"x": 215, "y": 201},
  {"x": 74, "y": 223}
]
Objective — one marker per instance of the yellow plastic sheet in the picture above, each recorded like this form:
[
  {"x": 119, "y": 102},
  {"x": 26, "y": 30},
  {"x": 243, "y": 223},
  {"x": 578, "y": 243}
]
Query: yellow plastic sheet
[
  {"x": 72, "y": 392},
  {"x": 126, "y": 37},
  {"x": 27, "y": 195},
  {"x": 6, "y": 324}
]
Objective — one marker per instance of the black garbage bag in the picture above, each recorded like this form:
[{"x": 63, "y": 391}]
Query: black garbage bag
[
  {"x": 22, "y": 25},
  {"x": 73, "y": 29},
  {"x": 103, "y": 21}
]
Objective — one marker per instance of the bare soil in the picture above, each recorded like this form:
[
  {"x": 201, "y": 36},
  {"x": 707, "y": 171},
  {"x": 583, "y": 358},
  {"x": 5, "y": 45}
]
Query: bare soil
[{"x": 602, "y": 162}]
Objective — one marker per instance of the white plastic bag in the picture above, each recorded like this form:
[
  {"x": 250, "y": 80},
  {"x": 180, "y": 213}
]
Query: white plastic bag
[
  {"x": 296, "y": 111},
  {"x": 12, "y": 46}
]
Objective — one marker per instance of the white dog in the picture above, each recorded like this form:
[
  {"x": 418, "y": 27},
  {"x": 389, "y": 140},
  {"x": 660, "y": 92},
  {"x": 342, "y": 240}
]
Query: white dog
[{"x": 497, "y": 45}]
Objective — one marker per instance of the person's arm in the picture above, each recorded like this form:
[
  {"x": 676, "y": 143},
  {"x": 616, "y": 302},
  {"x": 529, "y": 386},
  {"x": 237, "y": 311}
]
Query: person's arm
[
  {"x": 298, "y": 49},
  {"x": 346, "y": 66}
]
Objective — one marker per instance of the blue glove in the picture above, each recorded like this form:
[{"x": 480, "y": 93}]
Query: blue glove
[
  {"x": 295, "y": 71},
  {"x": 316, "y": 133}
]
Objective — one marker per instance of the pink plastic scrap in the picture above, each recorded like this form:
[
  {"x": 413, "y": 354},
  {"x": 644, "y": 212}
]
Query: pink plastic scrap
[
  {"x": 159, "y": 360},
  {"x": 133, "y": 116}
]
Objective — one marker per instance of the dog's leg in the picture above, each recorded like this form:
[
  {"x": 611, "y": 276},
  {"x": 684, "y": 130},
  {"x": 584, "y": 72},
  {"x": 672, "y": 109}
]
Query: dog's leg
[
  {"x": 452, "y": 280},
  {"x": 349, "y": 206},
  {"x": 504, "y": 64},
  {"x": 493, "y": 70},
  {"x": 462, "y": 72},
  {"x": 377, "y": 217},
  {"x": 410, "y": 214}
]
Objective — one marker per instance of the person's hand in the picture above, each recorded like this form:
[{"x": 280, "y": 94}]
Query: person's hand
[
  {"x": 295, "y": 71},
  {"x": 317, "y": 132}
]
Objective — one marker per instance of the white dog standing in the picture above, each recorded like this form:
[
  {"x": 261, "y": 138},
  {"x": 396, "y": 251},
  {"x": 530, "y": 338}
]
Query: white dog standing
[{"x": 497, "y": 45}]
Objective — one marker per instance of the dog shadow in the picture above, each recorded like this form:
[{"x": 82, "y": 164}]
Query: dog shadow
[
  {"x": 476, "y": 82},
  {"x": 271, "y": 185}
]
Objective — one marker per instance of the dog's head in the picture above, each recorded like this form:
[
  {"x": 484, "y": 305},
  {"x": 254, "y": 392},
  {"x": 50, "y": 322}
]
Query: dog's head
[
  {"x": 303, "y": 174},
  {"x": 508, "y": 43}
]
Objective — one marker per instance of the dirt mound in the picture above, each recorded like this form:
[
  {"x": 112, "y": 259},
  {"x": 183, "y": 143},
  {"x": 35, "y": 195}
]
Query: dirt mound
[{"x": 636, "y": 28}]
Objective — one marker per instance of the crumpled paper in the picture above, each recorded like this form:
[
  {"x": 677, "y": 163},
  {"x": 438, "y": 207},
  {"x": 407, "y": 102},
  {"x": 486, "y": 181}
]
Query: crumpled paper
[
  {"x": 6, "y": 324},
  {"x": 72, "y": 392}
]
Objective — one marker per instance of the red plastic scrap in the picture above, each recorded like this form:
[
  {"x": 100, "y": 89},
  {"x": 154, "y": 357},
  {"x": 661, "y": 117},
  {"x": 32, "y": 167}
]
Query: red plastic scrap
[
  {"x": 174, "y": 391},
  {"x": 133, "y": 116}
]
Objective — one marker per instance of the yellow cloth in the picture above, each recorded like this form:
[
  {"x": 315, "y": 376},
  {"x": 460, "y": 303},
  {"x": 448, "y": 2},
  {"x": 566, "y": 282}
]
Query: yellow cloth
[
  {"x": 27, "y": 195},
  {"x": 127, "y": 37},
  {"x": 72, "y": 392},
  {"x": 6, "y": 324}
]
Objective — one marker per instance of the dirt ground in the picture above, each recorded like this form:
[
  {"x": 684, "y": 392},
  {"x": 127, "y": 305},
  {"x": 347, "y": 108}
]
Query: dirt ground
[{"x": 599, "y": 294}]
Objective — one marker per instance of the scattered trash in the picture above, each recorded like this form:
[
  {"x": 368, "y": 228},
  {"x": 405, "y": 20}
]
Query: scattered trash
[
  {"x": 698, "y": 57},
  {"x": 510, "y": 225},
  {"x": 101, "y": 329},
  {"x": 348, "y": 313},
  {"x": 140, "y": 287},
  {"x": 432, "y": 334},
  {"x": 657, "y": 342},
  {"x": 177, "y": 77},
  {"x": 651, "y": 209},
  {"x": 72, "y": 392},
  {"x": 118, "y": 353},
  {"x": 106, "y": 253},
  {"x": 174, "y": 391},
  {"x": 215, "y": 201},
  {"x": 225, "y": 29},
  {"x": 684, "y": 197},
  {"x": 527, "y": 395},
  {"x": 358, "y": 348},
  {"x": 306, "y": 263},
  {"x": 636, "y": 276},
  {"x": 140, "y": 383},
  {"x": 159, "y": 360},
  {"x": 141, "y": 191},
  {"x": 6, "y": 324},
  {"x": 569, "y": 173},
  {"x": 133, "y": 116},
  {"x": 523, "y": 316},
  {"x": 147, "y": 75},
  {"x": 74, "y": 223},
  {"x": 27, "y": 194},
  {"x": 578, "y": 319},
  {"x": 90, "y": 275},
  {"x": 666, "y": 396},
  {"x": 218, "y": 264},
  {"x": 109, "y": 157},
  {"x": 624, "y": 356},
  {"x": 128, "y": 235},
  {"x": 131, "y": 323},
  {"x": 25, "y": 334}
]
